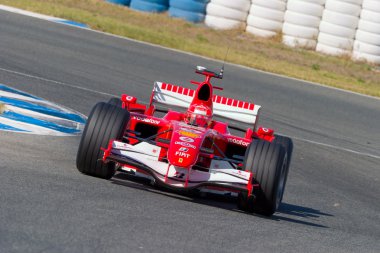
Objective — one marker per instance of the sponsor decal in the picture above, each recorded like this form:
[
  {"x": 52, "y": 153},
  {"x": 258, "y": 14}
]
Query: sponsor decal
[
  {"x": 188, "y": 134},
  {"x": 238, "y": 142},
  {"x": 201, "y": 107},
  {"x": 185, "y": 144},
  {"x": 180, "y": 160},
  {"x": 119, "y": 145},
  {"x": 147, "y": 120},
  {"x": 239, "y": 174},
  {"x": 191, "y": 130},
  {"x": 200, "y": 111},
  {"x": 183, "y": 149},
  {"x": 129, "y": 98},
  {"x": 182, "y": 154},
  {"x": 186, "y": 127},
  {"x": 186, "y": 139}
]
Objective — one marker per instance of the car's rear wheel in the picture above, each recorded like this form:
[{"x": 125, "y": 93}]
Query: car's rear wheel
[
  {"x": 267, "y": 161},
  {"x": 115, "y": 101},
  {"x": 105, "y": 122}
]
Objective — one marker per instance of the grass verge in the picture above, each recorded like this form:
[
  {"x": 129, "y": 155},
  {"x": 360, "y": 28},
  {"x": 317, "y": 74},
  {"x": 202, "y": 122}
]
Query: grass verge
[{"x": 264, "y": 54}]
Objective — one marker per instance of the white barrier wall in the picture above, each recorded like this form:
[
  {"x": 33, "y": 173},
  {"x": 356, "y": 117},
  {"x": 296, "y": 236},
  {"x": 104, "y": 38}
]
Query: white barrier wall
[
  {"x": 367, "y": 41},
  {"x": 227, "y": 14},
  {"x": 266, "y": 17},
  {"x": 338, "y": 26},
  {"x": 301, "y": 23}
]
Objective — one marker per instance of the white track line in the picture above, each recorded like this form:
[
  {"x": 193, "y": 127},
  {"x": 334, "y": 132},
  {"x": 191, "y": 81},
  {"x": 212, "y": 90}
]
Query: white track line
[
  {"x": 41, "y": 16},
  {"x": 55, "y": 82},
  {"x": 29, "y": 13},
  {"x": 335, "y": 147}
]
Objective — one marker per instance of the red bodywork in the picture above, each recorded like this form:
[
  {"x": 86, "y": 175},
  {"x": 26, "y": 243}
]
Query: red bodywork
[{"x": 186, "y": 146}]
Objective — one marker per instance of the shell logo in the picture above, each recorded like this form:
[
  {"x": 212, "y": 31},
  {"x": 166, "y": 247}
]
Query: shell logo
[{"x": 188, "y": 134}]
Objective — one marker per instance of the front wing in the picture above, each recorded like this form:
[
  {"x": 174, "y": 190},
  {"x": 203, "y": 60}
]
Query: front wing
[{"x": 144, "y": 159}]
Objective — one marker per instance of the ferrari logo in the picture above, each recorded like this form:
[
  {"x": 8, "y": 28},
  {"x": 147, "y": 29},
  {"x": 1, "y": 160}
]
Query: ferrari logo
[{"x": 180, "y": 160}]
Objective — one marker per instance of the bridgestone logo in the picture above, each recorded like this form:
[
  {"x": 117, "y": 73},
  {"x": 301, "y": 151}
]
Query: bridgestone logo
[
  {"x": 239, "y": 142},
  {"x": 147, "y": 120}
]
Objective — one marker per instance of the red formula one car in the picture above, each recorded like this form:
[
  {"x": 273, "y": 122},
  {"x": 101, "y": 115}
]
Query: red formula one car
[{"x": 189, "y": 150}]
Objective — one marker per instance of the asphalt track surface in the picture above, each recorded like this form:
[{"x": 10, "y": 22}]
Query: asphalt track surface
[{"x": 331, "y": 203}]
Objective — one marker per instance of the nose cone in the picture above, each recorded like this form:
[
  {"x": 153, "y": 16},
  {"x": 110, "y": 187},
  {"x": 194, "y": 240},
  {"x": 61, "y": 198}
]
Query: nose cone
[{"x": 185, "y": 145}]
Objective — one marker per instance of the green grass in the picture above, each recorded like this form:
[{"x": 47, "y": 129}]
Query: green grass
[{"x": 264, "y": 54}]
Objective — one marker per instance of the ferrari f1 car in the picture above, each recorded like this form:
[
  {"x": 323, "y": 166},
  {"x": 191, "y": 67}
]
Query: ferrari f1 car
[{"x": 188, "y": 149}]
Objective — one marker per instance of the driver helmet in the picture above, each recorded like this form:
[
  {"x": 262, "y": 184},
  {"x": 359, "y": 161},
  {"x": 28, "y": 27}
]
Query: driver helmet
[{"x": 198, "y": 115}]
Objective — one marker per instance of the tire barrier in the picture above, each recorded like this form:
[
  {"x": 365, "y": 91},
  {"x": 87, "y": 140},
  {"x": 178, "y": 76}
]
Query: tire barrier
[
  {"x": 338, "y": 26},
  {"x": 334, "y": 27},
  {"x": 367, "y": 40},
  {"x": 190, "y": 10},
  {"x": 301, "y": 23},
  {"x": 150, "y": 5},
  {"x": 266, "y": 17},
  {"x": 227, "y": 14},
  {"x": 121, "y": 2}
]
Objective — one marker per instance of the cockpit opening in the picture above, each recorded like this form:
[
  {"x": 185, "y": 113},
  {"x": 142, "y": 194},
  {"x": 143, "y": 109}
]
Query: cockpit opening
[{"x": 204, "y": 93}]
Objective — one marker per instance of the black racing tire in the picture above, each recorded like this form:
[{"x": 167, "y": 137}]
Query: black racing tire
[
  {"x": 267, "y": 161},
  {"x": 115, "y": 102},
  {"x": 287, "y": 143},
  {"x": 104, "y": 123}
]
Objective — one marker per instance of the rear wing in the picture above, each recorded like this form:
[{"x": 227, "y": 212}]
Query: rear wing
[{"x": 237, "y": 110}]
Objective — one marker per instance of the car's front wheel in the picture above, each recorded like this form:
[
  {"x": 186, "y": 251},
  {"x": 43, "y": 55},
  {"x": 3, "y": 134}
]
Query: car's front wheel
[
  {"x": 287, "y": 144},
  {"x": 268, "y": 163},
  {"x": 105, "y": 122}
]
